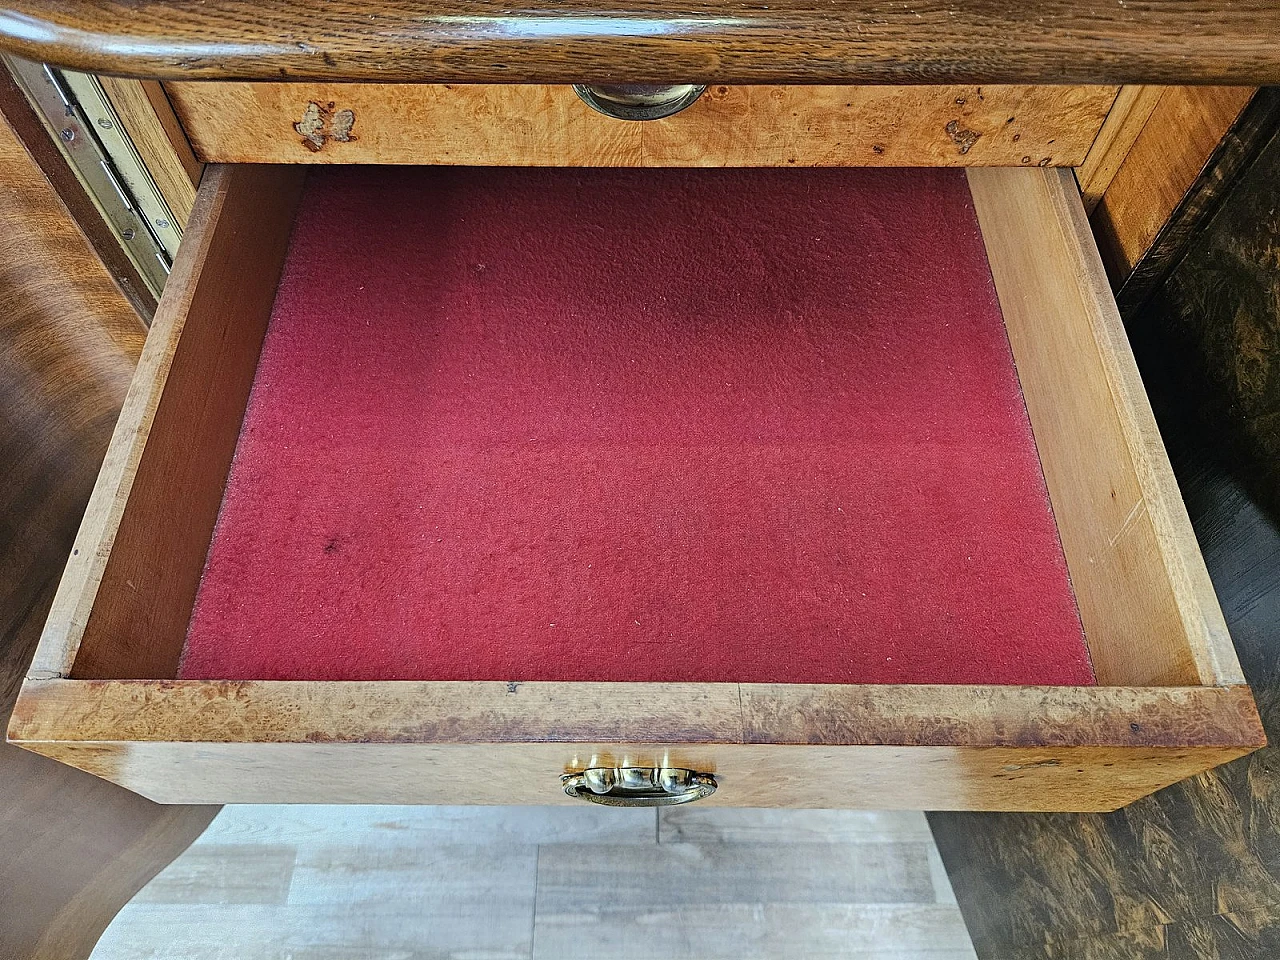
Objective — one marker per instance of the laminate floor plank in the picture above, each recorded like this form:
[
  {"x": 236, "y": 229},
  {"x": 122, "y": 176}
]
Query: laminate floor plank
[
  {"x": 737, "y": 931},
  {"x": 403, "y": 926},
  {"x": 591, "y": 878},
  {"x": 528, "y": 883},
  {"x": 694, "y": 824},
  {"x": 304, "y": 823},
  {"x": 224, "y": 873},
  {"x": 942, "y": 889}
]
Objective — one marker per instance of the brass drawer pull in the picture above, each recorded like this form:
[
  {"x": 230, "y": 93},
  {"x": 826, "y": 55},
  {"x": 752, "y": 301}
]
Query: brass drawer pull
[
  {"x": 638, "y": 101},
  {"x": 639, "y": 786}
]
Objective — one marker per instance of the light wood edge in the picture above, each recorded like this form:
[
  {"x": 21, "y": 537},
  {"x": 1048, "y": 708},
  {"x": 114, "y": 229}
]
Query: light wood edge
[
  {"x": 1126, "y": 118},
  {"x": 77, "y": 591},
  {"x": 1066, "y": 262},
  {"x": 539, "y": 124},
  {"x": 150, "y": 123},
  {"x": 444, "y": 712}
]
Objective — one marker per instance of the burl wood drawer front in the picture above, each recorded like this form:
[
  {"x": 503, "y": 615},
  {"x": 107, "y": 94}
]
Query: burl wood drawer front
[
  {"x": 538, "y": 125},
  {"x": 104, "y": 693}
]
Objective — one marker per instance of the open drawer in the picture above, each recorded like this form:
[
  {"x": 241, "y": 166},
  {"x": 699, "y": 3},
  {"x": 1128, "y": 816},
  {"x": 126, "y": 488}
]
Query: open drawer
[{"x": 129, "y": 686}]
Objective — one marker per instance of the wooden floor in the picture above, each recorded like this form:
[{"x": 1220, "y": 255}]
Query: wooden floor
[{"x": 490, "y": 883}]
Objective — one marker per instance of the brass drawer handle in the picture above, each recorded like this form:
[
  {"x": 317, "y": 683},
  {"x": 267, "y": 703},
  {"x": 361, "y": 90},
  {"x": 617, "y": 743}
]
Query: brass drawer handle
[
  {"x": 639, "y": 786},
  {"x": 638, "y": 101}
]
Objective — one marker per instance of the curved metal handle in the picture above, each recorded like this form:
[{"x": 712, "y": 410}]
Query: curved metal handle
[
  {"x": 638, "y": 101},
  {"x": 639, "y": 786}
]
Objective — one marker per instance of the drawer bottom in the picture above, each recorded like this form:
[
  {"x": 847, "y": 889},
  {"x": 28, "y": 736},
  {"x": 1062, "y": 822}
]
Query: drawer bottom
[{"x": 659, "y": 425}]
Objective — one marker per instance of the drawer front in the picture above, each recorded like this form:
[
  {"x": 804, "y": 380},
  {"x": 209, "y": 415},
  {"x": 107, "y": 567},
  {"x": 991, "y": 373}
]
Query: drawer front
[
  {"x": 1084, "y": 780},
  {"x": 541, "y": 125},
  {"x": 765, "y": 745},
  {"x": 1171, "y": 700}
]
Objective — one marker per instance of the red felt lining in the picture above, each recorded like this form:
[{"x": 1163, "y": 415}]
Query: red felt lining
[{"x": 646, "y": 425}]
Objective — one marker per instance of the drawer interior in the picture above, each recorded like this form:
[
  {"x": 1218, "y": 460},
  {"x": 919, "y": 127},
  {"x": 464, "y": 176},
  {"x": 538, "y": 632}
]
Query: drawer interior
[
  {"x": 745, "y": 426},
  {"x": 614, "y": 425}
]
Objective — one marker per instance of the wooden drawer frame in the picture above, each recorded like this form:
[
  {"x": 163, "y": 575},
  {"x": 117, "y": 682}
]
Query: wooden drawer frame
[{"x": 1171, "y": 700}]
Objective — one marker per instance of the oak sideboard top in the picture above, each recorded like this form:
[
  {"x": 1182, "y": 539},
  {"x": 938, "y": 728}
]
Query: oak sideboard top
[{"x": 782, "y": 41}]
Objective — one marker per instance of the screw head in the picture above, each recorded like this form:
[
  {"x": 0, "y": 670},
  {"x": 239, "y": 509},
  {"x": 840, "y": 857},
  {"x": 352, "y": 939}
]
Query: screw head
[
  {"x": 68, "y": 134},
  {"x": 128, "y": 233},
  {"x": 162, "y": 224}
]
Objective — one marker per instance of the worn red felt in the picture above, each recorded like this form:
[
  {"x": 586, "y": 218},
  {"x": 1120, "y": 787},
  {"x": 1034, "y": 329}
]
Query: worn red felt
[{"x": 738, "y": 425}]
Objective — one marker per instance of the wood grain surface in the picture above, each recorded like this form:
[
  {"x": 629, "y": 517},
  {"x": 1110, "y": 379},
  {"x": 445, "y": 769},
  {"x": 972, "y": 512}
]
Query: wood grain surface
[
  {"x": 1171, "y": 150},
  {"x": 535, "y": 124},
  {"x": 412, "y": 712},
  {"x": 787, "y": 41},
  {"x": 73, "y": 849},
  {"x": 749, "y": 775},
  {"x": 1235, "y": 153},
  {"x": 36, "y": 138},
  {"x": 1007, "y": 748},
  {"x": 1192, "y": 873},
  {"x": 1126, "y": 118}
]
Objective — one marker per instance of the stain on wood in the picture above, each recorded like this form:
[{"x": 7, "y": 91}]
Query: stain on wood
[
  {"x": 964, "y": 139},
  {"x": 320, "y": 124}
]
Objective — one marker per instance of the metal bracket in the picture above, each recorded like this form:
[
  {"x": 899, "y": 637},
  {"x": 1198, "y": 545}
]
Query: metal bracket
[{"x": 82, "y": 122}]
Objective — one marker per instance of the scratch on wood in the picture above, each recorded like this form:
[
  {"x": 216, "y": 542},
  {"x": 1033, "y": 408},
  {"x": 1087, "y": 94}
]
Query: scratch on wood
[
  {"x": 1011, "y": 767},
  {"x": 1139, "y": 508}
]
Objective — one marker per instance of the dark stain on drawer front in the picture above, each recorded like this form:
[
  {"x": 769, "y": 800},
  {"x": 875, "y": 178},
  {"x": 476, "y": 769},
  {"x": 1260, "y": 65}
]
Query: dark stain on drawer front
[
  {"x": 321, "y": 123},
  {"x": 963, "y": 138}
]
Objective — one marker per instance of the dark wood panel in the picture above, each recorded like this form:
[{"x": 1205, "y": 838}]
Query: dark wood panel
[
  {"x": 1193, "y": 871},
  {"x": 786, "y": 41},
  {"x": 73, "y": 849}
]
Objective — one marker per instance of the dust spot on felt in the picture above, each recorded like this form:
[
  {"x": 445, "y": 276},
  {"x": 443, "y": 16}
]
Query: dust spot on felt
[{"x": 332, "y": 545}]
